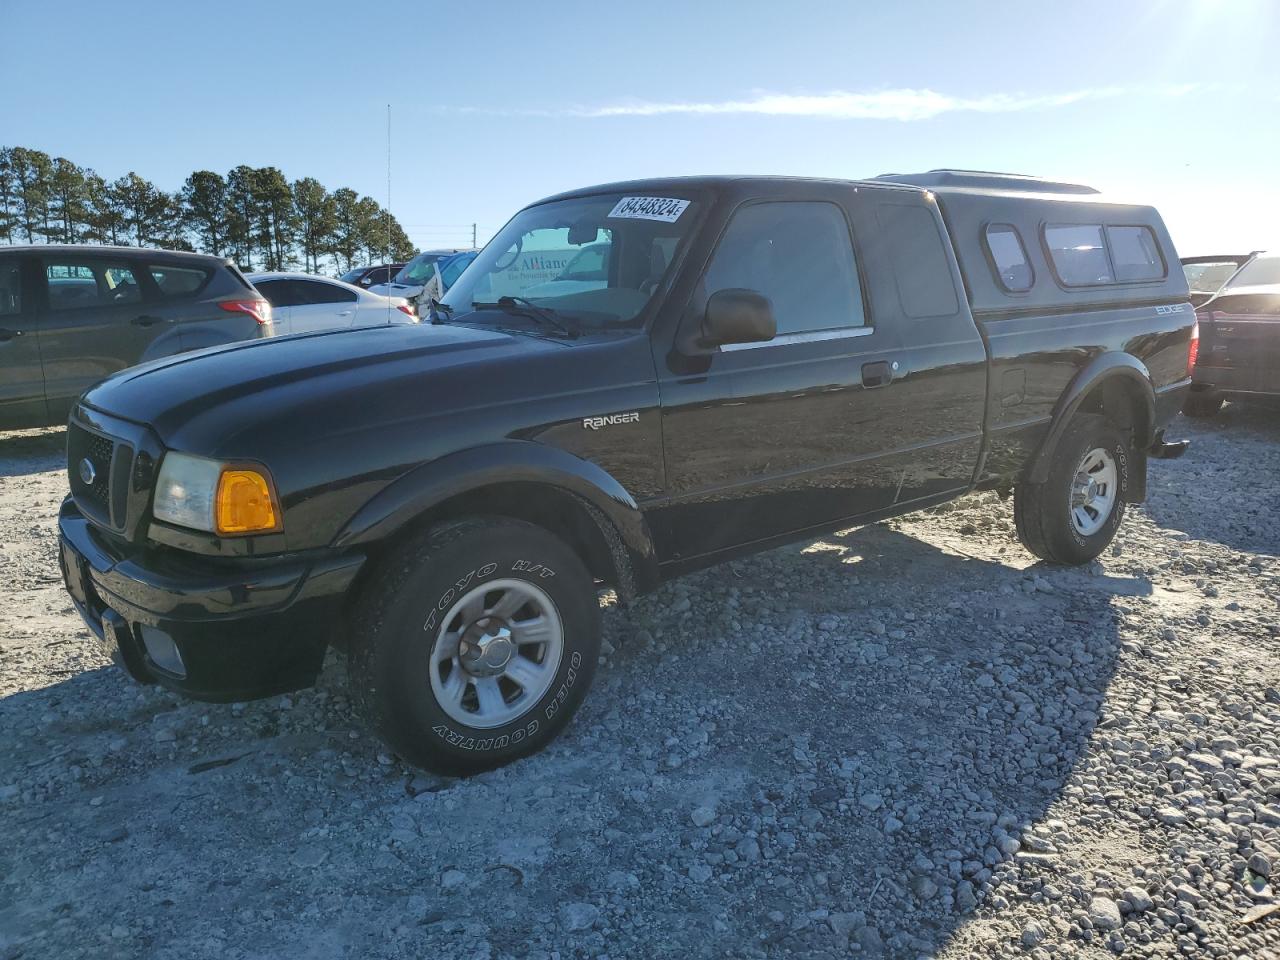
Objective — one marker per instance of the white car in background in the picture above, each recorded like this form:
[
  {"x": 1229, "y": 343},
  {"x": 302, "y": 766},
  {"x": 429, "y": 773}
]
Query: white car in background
[{"x": 301, "y": 302}]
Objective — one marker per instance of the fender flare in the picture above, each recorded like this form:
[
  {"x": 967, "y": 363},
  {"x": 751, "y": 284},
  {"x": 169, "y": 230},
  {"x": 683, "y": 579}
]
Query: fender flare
[
  {"x": 610, "y": 506},
  {"x": 1114, "y": 365}
]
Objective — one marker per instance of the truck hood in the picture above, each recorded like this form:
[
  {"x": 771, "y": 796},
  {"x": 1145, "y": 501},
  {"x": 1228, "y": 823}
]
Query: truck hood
[{"x": 211, "y": 395}]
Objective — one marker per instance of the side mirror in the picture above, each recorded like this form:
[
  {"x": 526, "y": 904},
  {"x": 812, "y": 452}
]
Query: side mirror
[{"x": 735, "y": 315}]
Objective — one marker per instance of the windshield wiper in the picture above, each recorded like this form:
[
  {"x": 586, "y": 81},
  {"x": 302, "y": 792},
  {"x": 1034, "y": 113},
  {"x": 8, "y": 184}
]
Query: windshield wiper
[{"x": 527, "y": 308}]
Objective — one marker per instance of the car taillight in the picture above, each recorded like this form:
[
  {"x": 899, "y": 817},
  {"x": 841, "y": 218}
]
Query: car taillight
[
  {"x": 1193, "y": 350},
  {"x": 405, "y": 308},
  {"x": 260, "y": 310}
]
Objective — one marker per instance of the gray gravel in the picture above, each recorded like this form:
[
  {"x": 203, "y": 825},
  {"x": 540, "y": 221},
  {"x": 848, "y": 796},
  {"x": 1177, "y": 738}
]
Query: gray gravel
[{"x": 902, "y": 741}]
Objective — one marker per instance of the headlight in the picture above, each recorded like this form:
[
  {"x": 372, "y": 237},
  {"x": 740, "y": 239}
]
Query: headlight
[{"x": 223, "y": 498}]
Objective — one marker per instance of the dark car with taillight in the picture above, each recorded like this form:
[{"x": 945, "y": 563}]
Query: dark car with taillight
[
  {"x": 1239, "y": 353},
  {"x": 73, "y": 315},
  {"x": 760, "y": 360}
]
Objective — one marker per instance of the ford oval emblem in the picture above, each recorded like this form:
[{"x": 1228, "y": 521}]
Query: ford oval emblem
[{"x": 87, "y": 473}]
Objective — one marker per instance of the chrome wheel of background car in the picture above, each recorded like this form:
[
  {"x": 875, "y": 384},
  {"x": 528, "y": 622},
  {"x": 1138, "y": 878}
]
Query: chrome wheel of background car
[
  {"x": 496, "y": 653},
  {"x": 1093, "y": 492}
]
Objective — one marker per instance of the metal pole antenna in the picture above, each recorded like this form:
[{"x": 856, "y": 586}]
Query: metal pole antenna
[{"x": 388, "y": 260}]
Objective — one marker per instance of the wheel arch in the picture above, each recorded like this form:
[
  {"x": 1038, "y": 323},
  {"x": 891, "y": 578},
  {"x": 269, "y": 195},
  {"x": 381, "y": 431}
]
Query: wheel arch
[
  {"x": 1118, "y": 386},
  {"x": 570, "y": 497}
]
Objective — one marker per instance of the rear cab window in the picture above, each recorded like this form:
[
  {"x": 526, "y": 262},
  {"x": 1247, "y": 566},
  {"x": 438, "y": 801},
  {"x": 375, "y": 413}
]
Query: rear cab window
[{"x": 800, "y": 255}]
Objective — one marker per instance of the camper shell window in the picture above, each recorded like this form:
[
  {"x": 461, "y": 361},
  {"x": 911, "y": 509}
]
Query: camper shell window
[
  {"x": 1135, "y": 253},
  {"x": 1009, "y": 258}
]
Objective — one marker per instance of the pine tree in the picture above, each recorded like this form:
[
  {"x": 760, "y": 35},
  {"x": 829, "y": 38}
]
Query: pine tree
[
  {"x": 31, "y": 171},
  {"x": 204, "y": 198},
  {"x": 67, "y": 207},
  {"x": 8, "y": 216},
  {"x": 146, "y": 210},
  {"x": 252, "y": 214}
]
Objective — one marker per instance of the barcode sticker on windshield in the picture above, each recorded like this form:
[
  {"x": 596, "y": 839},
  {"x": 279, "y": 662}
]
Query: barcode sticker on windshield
[{"x": 649, "y": 208}]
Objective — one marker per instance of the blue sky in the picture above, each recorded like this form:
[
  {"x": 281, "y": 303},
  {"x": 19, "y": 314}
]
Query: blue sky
[{"x": 1172, "y": 102}]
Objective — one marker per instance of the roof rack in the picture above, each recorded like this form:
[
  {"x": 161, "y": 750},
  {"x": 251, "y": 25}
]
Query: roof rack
[{"x": 985, "y": 180}]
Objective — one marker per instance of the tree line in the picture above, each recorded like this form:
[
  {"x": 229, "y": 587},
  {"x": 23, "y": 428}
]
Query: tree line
[{"x": 253, "y": 214}]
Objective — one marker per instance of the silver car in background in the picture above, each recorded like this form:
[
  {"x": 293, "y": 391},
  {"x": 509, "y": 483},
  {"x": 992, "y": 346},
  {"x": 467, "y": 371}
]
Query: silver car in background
[{"x": 302, "y": 302}]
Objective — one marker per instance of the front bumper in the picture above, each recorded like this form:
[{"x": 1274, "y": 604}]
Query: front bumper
[{"x": 242, "y": 629}]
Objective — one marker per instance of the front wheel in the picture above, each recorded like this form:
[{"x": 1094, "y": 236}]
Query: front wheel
[
  {"x": 1074, "y": 514},
  {"x": 475, "y": 644}
]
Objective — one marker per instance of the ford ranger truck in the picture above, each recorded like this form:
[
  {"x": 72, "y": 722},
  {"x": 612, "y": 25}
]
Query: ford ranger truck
[{"x": 767, "y": 359}]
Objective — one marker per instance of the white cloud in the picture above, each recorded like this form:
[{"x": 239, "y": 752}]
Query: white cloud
[{"x": 902, "y": 104}]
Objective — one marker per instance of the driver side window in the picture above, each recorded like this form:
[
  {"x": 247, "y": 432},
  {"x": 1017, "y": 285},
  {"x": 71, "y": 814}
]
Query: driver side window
[{"x": 798, "y": 254}]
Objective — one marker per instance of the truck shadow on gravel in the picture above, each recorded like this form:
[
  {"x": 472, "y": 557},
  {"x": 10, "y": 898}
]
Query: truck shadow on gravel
[
  {"x": 816, "y": 747},
  {"x": 25, "y": 452},
  {"x": 909, "y": 718}
]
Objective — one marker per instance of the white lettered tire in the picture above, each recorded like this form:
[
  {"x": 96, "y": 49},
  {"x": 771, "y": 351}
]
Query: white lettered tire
[{"x": 475, "y": 644}]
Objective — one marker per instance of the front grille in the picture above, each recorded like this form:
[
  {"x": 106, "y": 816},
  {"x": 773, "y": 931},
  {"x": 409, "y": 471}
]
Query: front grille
[{"x": 98, "y": 468}]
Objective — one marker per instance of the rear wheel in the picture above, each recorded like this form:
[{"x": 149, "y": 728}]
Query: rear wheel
[
  {"x": 475, "y": 644},
  {"x": 1074, "y": 514},
  {"x": 1202, "y": 403}
]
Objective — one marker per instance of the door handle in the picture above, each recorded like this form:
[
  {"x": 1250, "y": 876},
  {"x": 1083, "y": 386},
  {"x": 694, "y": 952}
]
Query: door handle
[
  {"x": 876, "y": 374},
  {"x": 9, "y": 334},
  {"x": 145, "y": 320},
  {"x": 345, "y": 313}
]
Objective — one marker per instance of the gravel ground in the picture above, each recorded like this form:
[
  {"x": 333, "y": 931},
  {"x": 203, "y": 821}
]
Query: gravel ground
[{"x": 901, "y": 741}]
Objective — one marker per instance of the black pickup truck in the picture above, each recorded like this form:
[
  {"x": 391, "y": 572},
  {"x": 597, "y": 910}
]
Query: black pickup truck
[{"x": 757, "y": 361}]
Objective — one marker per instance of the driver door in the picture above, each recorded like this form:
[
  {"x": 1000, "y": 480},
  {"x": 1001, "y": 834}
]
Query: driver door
[
  {"x": 93, "y": 322},
  {"x": 779, "y": 436}
]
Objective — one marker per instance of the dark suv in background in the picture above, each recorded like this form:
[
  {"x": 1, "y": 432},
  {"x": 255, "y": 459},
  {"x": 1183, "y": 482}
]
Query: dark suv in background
[
  {"x": 72, "y": 315},
  {"x": 368, "y": 276}
]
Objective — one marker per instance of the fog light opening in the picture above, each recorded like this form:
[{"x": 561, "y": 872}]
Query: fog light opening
[{"x": 163, "y": 651}]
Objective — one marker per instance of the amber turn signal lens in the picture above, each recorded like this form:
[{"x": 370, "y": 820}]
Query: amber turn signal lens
[{"x": 244, "y": 503}]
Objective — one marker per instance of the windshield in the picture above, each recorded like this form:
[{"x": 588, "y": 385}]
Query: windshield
[
  {"x": 594, "y": 259},
  {"x": 418, "y": 270},
  {"x": 452, "y": 268},
  {"x": 1263, "y": 270},
  {"x": 1209, "y": 277}
]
